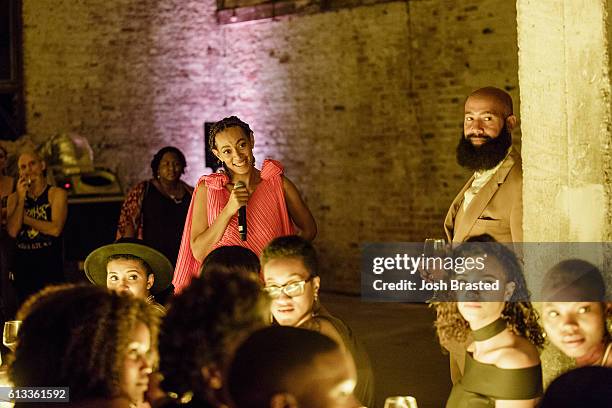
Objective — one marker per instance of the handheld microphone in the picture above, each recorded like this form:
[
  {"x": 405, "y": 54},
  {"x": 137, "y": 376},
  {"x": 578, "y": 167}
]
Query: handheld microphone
[{"x": 242, "y": 219}]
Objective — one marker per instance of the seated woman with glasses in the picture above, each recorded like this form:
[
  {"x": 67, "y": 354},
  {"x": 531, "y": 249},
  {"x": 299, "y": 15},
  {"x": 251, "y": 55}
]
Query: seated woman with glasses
[
  {"x": 502, "y": 364},
  {"x": 290, "y": 271}
]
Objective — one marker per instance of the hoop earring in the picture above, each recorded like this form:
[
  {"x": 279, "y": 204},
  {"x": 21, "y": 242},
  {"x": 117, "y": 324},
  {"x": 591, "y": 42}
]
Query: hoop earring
[{"x": 316, "y": 305}]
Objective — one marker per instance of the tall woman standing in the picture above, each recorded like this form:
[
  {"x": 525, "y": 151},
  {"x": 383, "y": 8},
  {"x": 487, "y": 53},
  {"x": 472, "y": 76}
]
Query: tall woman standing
[{"x": 274, "y": 204}]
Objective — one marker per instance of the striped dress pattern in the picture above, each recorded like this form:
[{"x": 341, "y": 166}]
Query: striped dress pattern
[{"x": 267, "y": 218}]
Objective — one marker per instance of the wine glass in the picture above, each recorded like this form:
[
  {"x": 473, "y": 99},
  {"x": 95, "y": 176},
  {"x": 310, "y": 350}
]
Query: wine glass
[
  {"x": 401, "y": 402},
  {"x": 433, "y": 248},
  {"x": 9, "y": 336}
]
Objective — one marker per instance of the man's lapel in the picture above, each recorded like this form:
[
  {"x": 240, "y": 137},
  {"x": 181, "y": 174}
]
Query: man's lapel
[
  {"x": 481, "y": 200},
  {"x": 449, "y": 221}
]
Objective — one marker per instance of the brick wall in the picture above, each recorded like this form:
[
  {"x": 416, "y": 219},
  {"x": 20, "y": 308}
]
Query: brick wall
[{"x": 362, "y": 105}]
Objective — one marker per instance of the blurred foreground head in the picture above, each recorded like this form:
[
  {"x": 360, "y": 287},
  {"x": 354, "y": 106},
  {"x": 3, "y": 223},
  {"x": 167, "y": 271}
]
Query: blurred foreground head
[
  {"x": 97, "y": 343},
  {"x": 204, "y": 325},
  {"x": 289, "y": 367}
]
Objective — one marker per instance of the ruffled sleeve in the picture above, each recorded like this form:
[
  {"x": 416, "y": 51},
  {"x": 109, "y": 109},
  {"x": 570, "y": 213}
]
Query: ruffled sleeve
[
  {"x": 129, "y": 218},
  {"x": 216, "y": 181},
  {"x": 271, "y": 168}
]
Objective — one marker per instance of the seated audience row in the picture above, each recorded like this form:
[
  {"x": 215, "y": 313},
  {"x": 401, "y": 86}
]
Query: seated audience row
[
  {"x": 500, "y": 330},
  {"x": 209, "y": 320}
]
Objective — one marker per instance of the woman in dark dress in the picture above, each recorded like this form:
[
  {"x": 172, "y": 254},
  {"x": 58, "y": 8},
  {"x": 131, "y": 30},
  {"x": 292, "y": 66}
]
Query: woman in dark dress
[
  {"x": 155, "y": 210},
  {"x": 502, "y": 364}
]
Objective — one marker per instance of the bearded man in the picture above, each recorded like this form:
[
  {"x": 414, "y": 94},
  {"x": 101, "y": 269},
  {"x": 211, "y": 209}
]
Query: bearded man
[{"x": 491, "y": 201}]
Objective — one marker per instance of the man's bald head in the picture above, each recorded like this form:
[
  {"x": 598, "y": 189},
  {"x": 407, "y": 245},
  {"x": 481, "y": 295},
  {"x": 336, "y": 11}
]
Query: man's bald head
[{"x": 497, "y": 96}]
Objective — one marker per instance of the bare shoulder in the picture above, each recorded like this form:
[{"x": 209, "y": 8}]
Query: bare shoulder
[
  {"x": 287, "y": 183},
  {"x": 57, "y": 193},
  {"x": 522, "y": 355}
]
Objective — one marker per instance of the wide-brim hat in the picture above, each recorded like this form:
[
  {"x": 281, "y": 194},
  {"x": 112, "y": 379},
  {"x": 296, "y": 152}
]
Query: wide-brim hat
[{"x": 163, "y": 271}]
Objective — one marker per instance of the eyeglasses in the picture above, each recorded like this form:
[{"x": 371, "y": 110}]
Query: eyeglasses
[{"x": 292, "y": 289}]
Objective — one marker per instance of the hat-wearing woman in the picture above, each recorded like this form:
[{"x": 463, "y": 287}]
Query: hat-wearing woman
[
  {"x": 97, "y": 343},
  {"x": 502, "y": 364},
  {"x": 291, "y": 275},
  {"x": 575, "y": 312},
  {"x": 154, "y": 210},
  {"x": 128, "y": 266},
  {"x": 273, "y": 203}
]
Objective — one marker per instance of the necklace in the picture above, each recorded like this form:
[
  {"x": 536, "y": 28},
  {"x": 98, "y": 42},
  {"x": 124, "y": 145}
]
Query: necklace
[
  {"x": 490, "y": 330},
  {"x": 173, "y": 197},
  {"x": 176, "y": 200}
]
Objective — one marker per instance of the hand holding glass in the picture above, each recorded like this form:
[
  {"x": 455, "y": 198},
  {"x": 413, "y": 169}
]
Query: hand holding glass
[
  {"x": 434, "y": 248},
  {"x": 9, "y": 336}
]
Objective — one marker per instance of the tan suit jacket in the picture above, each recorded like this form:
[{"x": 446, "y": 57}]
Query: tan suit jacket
[{"x": 496, "y": 210}]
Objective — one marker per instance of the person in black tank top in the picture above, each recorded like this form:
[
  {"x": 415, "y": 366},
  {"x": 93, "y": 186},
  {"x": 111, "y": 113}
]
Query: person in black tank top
[{"x": 36, "y": 216}]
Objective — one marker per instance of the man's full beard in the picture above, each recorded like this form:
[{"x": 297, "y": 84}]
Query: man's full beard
[{"x": 485, "y": 156}]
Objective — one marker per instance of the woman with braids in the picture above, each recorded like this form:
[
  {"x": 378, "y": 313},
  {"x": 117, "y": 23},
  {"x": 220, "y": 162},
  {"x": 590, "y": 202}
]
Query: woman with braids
[
  {"x": 97, "y": 343},
  {"x": 502, "y": 365},
  {"x": 273, "y": 204},
  {"x": 575, "y": 312},
  {"x": 204, "y": 324},
  {"x": 155, "y": 210}
]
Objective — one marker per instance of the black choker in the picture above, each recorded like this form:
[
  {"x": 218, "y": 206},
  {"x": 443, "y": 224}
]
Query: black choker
[{"x": 490, "y": 330}]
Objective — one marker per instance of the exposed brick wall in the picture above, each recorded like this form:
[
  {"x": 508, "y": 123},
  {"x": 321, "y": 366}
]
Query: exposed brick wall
[
  {"x": 362, "y": 105},
  {"x": 131, "y": 76}
]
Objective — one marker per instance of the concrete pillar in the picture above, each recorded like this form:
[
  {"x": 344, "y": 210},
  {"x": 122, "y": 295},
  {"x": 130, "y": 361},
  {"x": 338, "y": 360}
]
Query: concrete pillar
[{"x": 564, "y": 76}]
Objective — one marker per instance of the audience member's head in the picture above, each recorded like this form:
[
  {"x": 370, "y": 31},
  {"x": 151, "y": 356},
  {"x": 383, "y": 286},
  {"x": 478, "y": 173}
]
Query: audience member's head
[
  {"x": 171, "y": 161},
  {"x": 583, "y": 387},
  {"x": 487, "y": 126},
  {"x": 510, "y": 301},
  {"x": 32, "y": 167},
  {"x": 129, "y": 266},
  {"x": 204, "y": 324},
  {"x": 291, "y": 276},
  {"x": 575, "y": 311},
  {"x": 98, "y": 343},
  {"x": 291, "y": 367},
  {"x": 231, "y": 259}
]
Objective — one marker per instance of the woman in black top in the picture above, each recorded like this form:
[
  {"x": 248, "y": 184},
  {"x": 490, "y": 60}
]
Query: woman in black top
[{"x": 154, "y": 210}]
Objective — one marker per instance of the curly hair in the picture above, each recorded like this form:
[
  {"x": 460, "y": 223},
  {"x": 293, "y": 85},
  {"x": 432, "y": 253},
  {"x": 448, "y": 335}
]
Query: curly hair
[
  {"x": 76, "y": 336},
  {"x": 231, "y": 259},
  {"x": 518, "y": 312},
  {"x": 204, "y": 324},
  {"x": 292, "y": 246},
  {"x": 157, "y": 158},
  {"x": 224, "y": 124}
]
